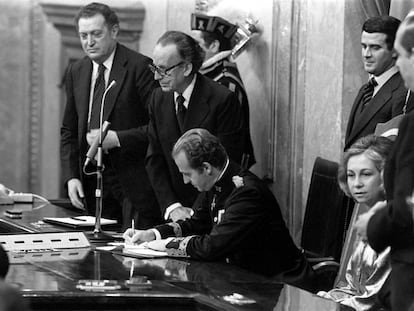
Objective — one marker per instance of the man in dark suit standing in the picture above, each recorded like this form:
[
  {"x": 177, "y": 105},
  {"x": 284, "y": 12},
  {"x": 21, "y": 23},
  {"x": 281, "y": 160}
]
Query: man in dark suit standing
[
  {"x": 126, "y": 189},
  {"x": 391, "y": 223},
  {"x": 186, "y": 100},
  {"x": 384, "y": 96}
]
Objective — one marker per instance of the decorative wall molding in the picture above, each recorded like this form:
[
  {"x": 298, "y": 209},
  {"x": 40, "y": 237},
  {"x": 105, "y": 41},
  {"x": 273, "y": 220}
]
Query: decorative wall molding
[
  {"x": 62, "y": 17},
  {"x": 35, "y": 96}
]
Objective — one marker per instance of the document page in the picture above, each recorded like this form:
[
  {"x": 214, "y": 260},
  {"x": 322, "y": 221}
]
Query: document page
[
  {"x": 78, "y": 221},
  {"x": 142, "y": 250}
]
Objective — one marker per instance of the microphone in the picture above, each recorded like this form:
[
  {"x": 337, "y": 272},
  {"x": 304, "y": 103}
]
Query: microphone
[
  {"x": 111, "y": 85},
  {"x": 93, "y": 149}
]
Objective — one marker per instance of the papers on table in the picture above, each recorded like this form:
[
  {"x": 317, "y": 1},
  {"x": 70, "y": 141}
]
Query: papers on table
[
  {"x": 138, "y": 251},
  {"x": 142, "y": 250},
  {"x": 78, "y": 221}
]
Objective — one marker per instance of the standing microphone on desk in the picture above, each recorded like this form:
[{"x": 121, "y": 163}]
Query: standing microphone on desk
[{"x": 103, "y": 130}]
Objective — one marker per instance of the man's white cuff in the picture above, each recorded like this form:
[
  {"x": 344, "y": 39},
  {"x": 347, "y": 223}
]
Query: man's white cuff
[
  {"x": 157, "y": 234},
  {"x": 170, "y": 209}
]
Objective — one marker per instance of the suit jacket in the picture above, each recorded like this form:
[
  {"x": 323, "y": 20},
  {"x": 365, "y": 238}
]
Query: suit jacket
[
  {"x": 386, "y": 104},
  {"x": 393, "y": 226},
  {"x": 212, "y": 107},
  {"x": 126, "y": 107},
  {"x": 226, "y": 73},
  {"x": 240, "y": 222}
]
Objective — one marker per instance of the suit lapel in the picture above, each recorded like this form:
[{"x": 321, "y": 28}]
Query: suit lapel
[
  {"x": 118, "y": 72},
  {"x": 83, "y": 84},
  {"x": 378, "y": 101},
  {"x": 170, "y": 114},
  {"x": 355, "y": 107},
  {"x": 198, "y": 107}
]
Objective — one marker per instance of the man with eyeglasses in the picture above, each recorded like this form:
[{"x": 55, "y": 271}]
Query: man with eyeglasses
[
  {"x": 127, "y": 193},
  {"x": 185, "y": 100}
]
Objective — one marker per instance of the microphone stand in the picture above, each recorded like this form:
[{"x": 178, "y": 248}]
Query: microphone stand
[{"x": 97, "y": 234}]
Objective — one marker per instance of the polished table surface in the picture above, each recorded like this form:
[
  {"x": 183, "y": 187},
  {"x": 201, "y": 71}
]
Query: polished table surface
[{"x": 49, "y": 279}]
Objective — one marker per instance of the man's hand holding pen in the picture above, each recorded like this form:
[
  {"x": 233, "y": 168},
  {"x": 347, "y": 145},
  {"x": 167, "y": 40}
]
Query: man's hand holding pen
[{"x": 133, "y": 236}]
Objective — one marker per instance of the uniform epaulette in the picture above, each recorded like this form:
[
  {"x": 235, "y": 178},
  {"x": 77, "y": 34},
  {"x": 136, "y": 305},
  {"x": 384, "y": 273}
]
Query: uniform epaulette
[{"x": 228, "y": 74}]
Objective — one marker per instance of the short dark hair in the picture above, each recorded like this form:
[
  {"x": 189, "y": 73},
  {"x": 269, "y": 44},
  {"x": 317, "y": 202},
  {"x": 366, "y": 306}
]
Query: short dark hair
[
  {"x": 387, "y": 25},
  {"x": 210, "y": 37},
  {"x": 95, "y": 8},
  {"x": 407, "y": 34},
  {"x": 187, "y": 47},
  {"x": 201, "y": 146},
  {"x": 376, "y": 148}
]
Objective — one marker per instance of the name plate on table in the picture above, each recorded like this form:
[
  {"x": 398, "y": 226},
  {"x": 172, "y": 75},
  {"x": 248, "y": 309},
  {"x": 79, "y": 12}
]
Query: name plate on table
[
  {"x": 38, "y": 242},
  {"x": 77, "y": 254},
  {"x": 78, "y": 221}
]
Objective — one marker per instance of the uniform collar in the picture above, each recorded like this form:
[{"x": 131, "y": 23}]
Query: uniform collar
[{"x": 225, "y": 181}]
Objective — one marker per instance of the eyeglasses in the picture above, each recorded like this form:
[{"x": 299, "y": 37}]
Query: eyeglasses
[{"x": 163, "y": 72}]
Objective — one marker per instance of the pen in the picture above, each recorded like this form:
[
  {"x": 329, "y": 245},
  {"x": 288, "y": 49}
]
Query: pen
[{"x": 131, "y": 272}]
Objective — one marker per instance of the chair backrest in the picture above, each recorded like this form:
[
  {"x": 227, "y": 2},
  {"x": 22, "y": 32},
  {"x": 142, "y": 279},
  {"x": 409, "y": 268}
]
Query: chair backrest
[
  {"x": 349, "y": 245},
  {"x": 328, "y": 212}
]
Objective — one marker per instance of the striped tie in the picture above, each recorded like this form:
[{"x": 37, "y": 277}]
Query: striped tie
[
  {"x": 97, "y": 98},
  {"x": 368, "y": 92}
]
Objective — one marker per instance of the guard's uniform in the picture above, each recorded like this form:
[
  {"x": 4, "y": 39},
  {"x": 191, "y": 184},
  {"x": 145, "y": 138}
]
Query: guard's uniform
[{"x": 220, "y": 69}]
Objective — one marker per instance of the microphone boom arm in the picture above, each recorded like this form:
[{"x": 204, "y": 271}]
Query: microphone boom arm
[
  {"x": 111, "y": 85},
  {"x": 97, "y": 233}
]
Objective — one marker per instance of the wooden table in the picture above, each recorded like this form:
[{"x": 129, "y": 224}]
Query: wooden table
[{"x": 49, "y": 279}]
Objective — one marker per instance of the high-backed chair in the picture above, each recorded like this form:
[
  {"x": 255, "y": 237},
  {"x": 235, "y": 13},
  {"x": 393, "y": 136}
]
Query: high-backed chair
[{"x": 327, "y": 216}]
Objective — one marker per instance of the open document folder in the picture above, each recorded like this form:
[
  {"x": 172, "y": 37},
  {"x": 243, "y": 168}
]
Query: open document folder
[{"x": 78, "y": 221}]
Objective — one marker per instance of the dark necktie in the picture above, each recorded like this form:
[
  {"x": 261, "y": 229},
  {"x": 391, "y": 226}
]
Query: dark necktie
[
  {"x": 368, "y": 92},
  {"x": 97, "y": 97},
  {"x": 181, "y": 110}
]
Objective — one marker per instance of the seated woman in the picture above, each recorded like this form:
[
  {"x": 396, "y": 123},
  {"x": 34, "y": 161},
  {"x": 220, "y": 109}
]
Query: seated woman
[{"x": 360, "y": 177}]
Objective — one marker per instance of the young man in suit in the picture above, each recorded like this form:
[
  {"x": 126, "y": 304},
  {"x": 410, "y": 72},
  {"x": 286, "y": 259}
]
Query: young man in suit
[
  {"x": 391, "y": 223},
  {"x": 384, "y": 96},
  {"x": 185, "y": 100},
  {"x": 127, "y": 192},
  {"x": 216, "y": 37},
  {"x": 237, "y": 219}
]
